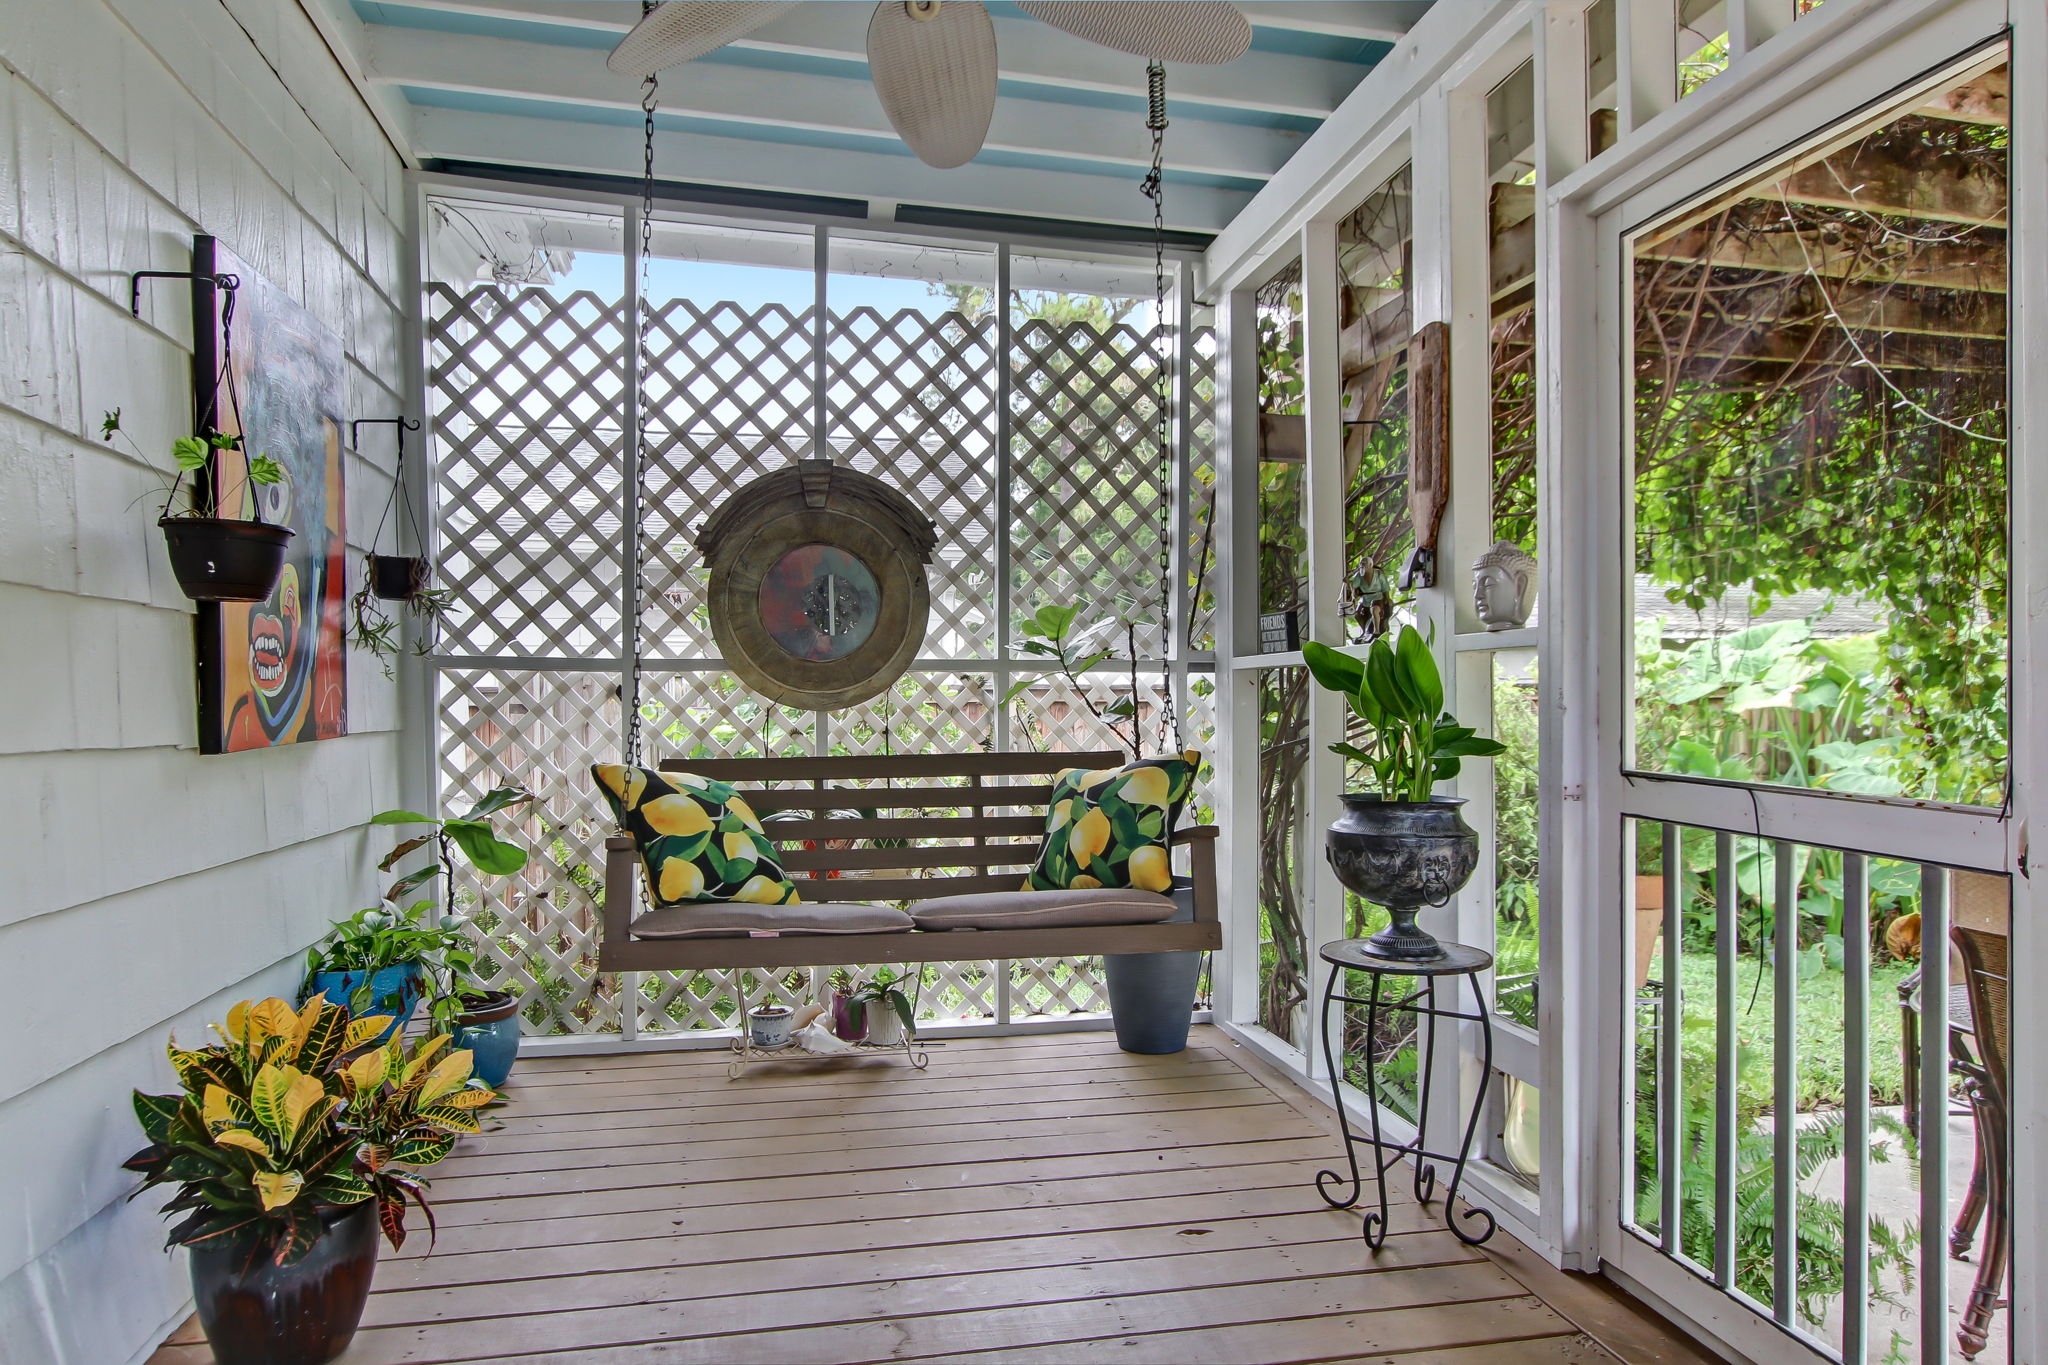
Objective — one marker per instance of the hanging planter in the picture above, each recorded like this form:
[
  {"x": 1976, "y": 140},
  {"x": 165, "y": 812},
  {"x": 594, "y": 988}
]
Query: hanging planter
[
  {"x": 223, "y": 559},
  {"x": 399, "y": 578},
  {"x": 395, "y": 578}
]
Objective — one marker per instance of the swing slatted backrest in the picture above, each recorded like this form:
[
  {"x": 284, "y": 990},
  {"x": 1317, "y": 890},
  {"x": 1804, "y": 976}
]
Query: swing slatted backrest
[{"x": 924, "y": 825}]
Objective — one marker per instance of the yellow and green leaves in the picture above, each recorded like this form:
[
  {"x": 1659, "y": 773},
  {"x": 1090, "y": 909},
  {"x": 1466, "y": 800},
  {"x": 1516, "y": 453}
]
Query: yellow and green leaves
[{"x": 295, "y": 1110}]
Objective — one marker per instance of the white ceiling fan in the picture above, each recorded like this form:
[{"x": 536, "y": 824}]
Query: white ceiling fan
[{"x": 934, "y": 61}]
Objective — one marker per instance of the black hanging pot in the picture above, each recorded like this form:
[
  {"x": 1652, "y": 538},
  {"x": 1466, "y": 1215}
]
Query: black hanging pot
[
  {"x": 224, "y": 559},
  {"x": 1403, "y": 855},
  {"x": 396, "y": 578},
  {"x": 256, "y": 1312}
]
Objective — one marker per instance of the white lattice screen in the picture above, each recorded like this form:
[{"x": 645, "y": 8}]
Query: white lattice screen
[{"x": 527, "y": 389}]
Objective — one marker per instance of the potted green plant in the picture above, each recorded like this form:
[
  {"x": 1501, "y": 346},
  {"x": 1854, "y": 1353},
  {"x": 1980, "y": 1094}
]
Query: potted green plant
[
  {"x": 290, "y": 1143},
  {"x": 216, "y": 558},
  {"x": 887, "y": 1009},
  {"x": 391, "y": 954},
  {"x": 1399, "y": 845}
]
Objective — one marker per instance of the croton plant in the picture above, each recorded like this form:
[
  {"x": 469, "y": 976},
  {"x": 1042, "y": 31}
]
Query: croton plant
[{"x": 299, "y": 1111}]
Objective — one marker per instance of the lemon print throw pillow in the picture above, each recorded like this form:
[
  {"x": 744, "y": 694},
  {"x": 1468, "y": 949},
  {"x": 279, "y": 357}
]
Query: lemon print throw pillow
[
  {"x": 1110, "y": 827},
  {"x": 700, "y": 841}
]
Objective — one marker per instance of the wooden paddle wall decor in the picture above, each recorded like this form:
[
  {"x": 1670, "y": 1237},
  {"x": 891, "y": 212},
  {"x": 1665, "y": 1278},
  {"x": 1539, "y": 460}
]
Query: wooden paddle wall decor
[{"x": 1429, "y": 449}]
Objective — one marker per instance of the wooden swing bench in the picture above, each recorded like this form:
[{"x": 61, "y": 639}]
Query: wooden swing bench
[{"x": 953, "y": 835}]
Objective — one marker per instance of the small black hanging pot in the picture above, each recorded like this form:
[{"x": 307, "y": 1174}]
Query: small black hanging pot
[
  {"x": 396, "y": 578},
  {"x": 225, "y": 559}
]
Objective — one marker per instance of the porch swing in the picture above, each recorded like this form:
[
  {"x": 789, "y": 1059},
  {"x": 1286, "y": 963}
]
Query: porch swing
[{"x": 953, "y": 835}]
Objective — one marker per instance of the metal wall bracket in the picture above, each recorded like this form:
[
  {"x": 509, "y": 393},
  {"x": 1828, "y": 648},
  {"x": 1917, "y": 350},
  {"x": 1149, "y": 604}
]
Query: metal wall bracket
[{"x": 227, "y": 282}]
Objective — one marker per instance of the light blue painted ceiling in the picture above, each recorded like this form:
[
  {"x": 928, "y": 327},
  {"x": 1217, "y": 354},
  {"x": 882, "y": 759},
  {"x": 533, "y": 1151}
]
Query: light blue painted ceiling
[{"x": 788, "y": 110}]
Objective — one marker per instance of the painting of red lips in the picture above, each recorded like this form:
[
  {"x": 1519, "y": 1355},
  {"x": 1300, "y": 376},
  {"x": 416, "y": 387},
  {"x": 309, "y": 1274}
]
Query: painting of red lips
[{"x": 273, "y": 672}]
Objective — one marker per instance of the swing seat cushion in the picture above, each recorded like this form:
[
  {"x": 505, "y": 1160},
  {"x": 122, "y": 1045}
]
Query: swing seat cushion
[
  {"x": 1042, "y": 909},
  {"x": 736, "y": 919}
]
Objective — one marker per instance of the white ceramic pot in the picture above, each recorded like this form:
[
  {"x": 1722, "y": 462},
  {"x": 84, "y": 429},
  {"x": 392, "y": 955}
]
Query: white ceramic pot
[
  {"x": 885, "y": 1026},
  {"x": 769, "y": 1025}
]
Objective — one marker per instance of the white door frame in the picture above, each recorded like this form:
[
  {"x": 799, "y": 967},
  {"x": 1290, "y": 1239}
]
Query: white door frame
[{"x": 1809, "y": 79}]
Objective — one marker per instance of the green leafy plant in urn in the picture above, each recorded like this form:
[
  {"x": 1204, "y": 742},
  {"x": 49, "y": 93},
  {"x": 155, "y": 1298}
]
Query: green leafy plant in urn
[{"x": 1400, "y": 846}]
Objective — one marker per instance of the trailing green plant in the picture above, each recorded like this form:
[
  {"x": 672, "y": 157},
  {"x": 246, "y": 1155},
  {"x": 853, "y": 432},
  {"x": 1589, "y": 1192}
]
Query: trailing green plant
[
  {"x": 884, "y": 990},
  {"x": 1412, "y": 742},
  {"x": 395, "y": 933},
  {"x": 197, "y": 457},
  {"x": 373, "y": 628},
  {"x": 296, "y": 1111}
]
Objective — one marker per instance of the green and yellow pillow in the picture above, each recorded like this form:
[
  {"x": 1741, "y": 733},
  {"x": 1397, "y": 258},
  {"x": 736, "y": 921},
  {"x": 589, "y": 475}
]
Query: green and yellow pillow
[
  {"x": 1110, "y": 827},
  {"x": 700, "y": 840}
]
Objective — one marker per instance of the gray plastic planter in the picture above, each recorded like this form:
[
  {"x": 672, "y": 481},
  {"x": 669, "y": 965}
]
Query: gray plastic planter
[{"x": 1152, "y": 995}]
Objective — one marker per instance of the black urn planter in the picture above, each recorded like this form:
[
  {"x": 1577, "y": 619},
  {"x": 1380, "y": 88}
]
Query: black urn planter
[
  {"x": 398, "y": 577},
  {"x": 256, "y": 1312},
  {"x": 1403, "y": 855},
  {"x": 224, "y": 559}
]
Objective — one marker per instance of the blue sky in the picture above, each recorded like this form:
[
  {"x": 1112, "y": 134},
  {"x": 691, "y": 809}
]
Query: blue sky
[{"x": 753, "y": 286}]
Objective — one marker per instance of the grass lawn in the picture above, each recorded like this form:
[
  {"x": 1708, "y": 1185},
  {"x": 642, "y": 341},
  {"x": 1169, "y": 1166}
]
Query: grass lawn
[{"x": 1820, "y": 1038}]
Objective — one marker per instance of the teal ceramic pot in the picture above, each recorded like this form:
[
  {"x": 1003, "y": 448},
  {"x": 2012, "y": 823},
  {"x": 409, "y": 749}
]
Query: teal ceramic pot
[
  {"x": 489, "y": 1028},
  {"x": 393, "y": 990}
]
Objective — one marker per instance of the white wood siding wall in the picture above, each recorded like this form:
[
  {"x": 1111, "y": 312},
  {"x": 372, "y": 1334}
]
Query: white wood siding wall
[{"x": 143, "y": 887}]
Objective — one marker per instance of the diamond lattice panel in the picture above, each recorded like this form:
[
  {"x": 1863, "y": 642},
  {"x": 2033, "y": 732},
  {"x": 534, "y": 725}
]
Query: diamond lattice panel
[
  {"x": 1085, "y": 473},
  {"x": 537, "y": 929},
  {"x": 526, "y": 387},
  {"x": 911, "y": 399},
  {"x": 729, "y": 397}
]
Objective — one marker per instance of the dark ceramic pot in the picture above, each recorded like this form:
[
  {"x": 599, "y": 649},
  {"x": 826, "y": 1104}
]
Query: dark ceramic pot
[
  {"x": 218, "y": 559},
  {"x": 256, "y": 1312},
  {"x": 1402, "y": 855},
  {"x": 397, "y": 577},
  {"x": 489, "y": 1028}
]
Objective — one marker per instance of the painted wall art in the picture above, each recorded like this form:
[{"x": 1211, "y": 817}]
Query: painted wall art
[{"x": 273, "y": 672}]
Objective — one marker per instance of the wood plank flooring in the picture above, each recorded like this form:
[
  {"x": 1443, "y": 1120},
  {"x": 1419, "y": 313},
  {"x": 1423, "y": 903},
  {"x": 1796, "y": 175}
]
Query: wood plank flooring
[{"x": 1027, "y": 1199}]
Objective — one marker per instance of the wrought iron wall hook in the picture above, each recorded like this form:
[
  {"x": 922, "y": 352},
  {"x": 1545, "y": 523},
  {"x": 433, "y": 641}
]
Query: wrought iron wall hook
[
  {"x": 230, "y": 283},
  {"x": 404, "y": 424}
]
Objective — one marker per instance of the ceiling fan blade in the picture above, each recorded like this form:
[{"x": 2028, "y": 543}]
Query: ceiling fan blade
[
  {"x": 934, "y": 66},
  {"x": 1203, "y": 31},
  {"x": 683, "y": 30}
]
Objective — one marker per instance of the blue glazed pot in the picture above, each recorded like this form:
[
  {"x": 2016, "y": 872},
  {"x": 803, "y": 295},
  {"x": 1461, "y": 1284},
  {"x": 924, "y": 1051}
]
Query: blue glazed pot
[
  {"x": 1152, "y": 995},
  {"x": 393, "y": 990},
  {"x": 489, "y": 1028}
]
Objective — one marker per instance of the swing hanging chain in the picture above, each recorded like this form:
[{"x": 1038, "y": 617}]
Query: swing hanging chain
[
  {"x": 1154, "y": 188},
  {"x": 650, "y": 91}
]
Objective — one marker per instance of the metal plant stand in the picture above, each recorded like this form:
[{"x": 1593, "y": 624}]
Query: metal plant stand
[
  {"x": 744, "y": 1052},
  {"x": 1459, "y": 960}
]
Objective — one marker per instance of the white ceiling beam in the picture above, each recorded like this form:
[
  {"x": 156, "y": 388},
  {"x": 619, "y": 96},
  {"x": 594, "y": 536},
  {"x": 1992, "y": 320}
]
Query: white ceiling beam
[
  {"x": 1029, "y": 52},
  {"x": 1383, "y": 21},
  {"x": 548, "y": 144},
  {"x": 840, "y": 105}
]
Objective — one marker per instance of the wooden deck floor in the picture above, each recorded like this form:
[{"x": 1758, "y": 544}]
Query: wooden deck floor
[{"x": 1028, "y": 1199}]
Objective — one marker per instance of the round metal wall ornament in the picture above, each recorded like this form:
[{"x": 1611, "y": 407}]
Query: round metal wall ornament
[{"x": 818, "y": 592}]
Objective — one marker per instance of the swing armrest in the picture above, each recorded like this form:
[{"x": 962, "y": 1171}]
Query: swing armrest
[
  {"x": 621, "y": 888},
  {"x": 1201, "y": 840}
]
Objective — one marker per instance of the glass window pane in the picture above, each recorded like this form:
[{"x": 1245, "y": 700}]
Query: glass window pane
[
  {"x": 1283, "y": 445},
  {"x": 1284, "y": 849},
  {"x": 1375, "y": 319},
  {"x": 1820, "y": 467},
  {"x": 1515, "y": 849},
  {"x": 1512, "y": 266}
]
